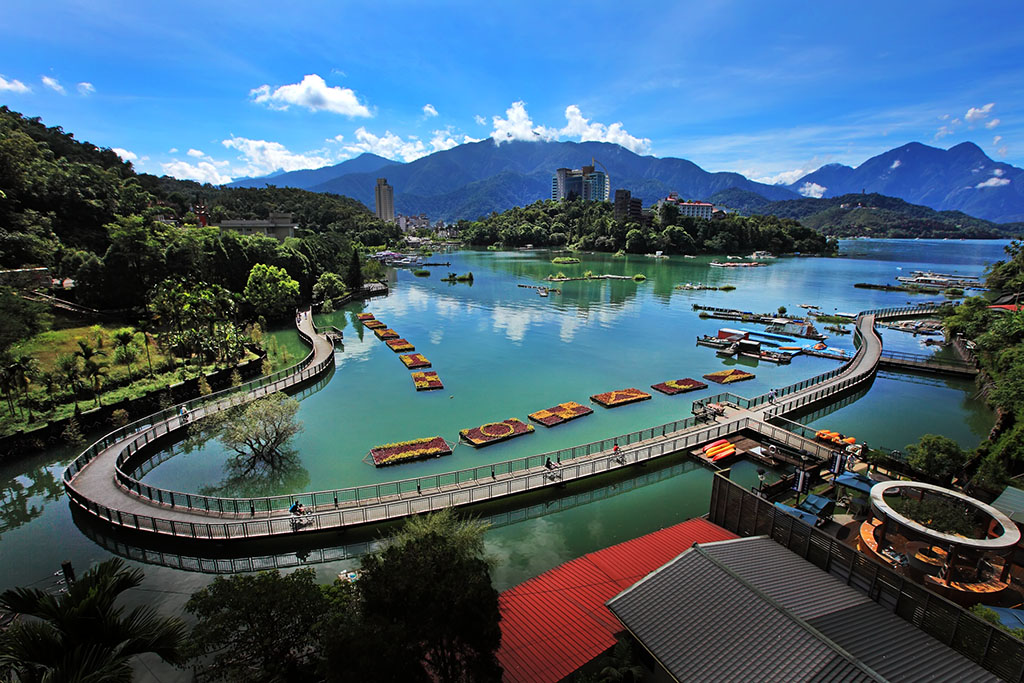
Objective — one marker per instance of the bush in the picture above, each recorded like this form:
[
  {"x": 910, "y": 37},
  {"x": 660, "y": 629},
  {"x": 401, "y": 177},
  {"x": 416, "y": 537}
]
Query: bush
[
  {"x": 639, "y": 277},
  {"x": 421, "y": 272}
]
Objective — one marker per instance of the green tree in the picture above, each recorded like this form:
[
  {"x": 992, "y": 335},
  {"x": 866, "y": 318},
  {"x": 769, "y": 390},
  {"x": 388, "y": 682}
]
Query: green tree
[
  {"x": 936, "y": 456},
  {"x": 329, "y": 287},
  {"x": 81, "y": 635},
  {"x": 271, "y": 291},
  {"x": 22, "y": 318},
  {"x": 145, "y": 328},
  {"x": 94, "y": 372},
  {"x": 260, "y": 433},
  {"x": 124, "y": 353},
  {"x": 24, "y": 368},
  {"x": 257, "y": 627},
  {"x": 354, "y": 275},
  {"x": 449, "y": 632},
  {"x": 70, "y": 374}
]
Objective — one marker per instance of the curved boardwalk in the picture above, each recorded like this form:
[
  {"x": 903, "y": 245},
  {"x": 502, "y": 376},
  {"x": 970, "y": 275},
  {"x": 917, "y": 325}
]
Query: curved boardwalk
[{"x": 101, "y": 484}]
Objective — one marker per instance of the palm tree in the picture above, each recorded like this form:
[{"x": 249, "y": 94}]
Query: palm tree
[
  {"x": 7, "y": 384},
  {"x": 123, "y": 340},
  {"x": 86, "y": 352},
  {"x": 95, "y": 372},
  {"x": 81, "y": 635},
  {"x": 145, "y": 326},
  {"x": 24, "y": 369},
  {"x": 71, "y": 374},
  {"x": 49, "y": 380}
]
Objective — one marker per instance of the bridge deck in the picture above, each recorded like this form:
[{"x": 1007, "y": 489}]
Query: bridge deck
[{"x": 95, "y": 488}]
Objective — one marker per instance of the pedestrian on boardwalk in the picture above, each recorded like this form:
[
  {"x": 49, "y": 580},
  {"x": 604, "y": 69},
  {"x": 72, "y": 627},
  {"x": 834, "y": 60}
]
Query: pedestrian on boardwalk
[{"x": 771, "y": 395}]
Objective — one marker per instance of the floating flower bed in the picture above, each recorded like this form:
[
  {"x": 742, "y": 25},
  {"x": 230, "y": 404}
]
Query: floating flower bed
[
  {"x": 729, "y": 376},
  {"x": 364, "y": 316},
  {"x": 620, "y": 397},
  {"x": 563, "y": 412},
  {"x": 678, "y": 386},
  {"x": 373, "y": 325},
  {"x": 415, "y": 361},
  {"x": 493, "y": 432},
  {"x": 425, "y": 381},
  {"x": 399, "y": 345},
  {"x": 386, "y": 334},
  {"x": 406, "y": 451}
]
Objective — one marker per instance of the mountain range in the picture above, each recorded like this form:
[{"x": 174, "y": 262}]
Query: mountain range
[{"x": 475, "y": 179}]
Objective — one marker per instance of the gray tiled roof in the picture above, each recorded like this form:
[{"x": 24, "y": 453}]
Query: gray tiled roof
[{"x": 749, "y": 609}]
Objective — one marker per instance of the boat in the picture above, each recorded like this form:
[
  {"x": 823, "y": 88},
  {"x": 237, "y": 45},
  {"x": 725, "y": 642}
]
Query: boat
[
  {"x": 808, "y": 306},
  {"x": 542, "y": 291},
  {"x": 761, "y": 255},
  {"x": 688, "y": 256}
]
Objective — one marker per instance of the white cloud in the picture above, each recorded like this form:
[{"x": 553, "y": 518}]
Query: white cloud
[
  {"x": 997, "y": 171},
  {"x": 466, "y": 139},
  {"x": 124, "y": 153},
  {"x": 85, "y": 88},
  {"x": 261, "y": 157},
  {"x": 578, "y": 126},
  {"x": 197, "y": 153},
  {"x": 812, "y": 190},
  {"x": 977, "y": 114},
  {"x": 428, "y": 110},
  {"x": 389, "y": 145},
  {"x": 996, "y": 140},
  {"x": 443, "y": 140},
  {"x": 518, "y": 126},
  {"x": 480, "y": 121},
  {"x": 312, "y": 93},
  {"x": 172, "y": 150},
  {"x": 783, "y": 178},
  {"x": 204, "y": 172},
  {"x": 53, "y": 84},
  {"x": 943, "y": 132},
  {"x": 992, "y": 124},
  {"x": 13, "y": 85},
  {"x": 994, "y": 181},
  {"x": 1002, "y": 151},
  {"x": 896, "y": 164}
]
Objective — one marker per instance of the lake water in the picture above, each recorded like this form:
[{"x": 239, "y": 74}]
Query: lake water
[{"x": 503, "y": 351}]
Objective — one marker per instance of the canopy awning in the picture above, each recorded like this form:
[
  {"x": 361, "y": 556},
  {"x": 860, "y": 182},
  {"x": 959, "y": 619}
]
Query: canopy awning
[
  {"x": 1011, "y": 618},
  {"x": 799, "y": 514},
  {"x": 855, "y": 480},
  {"x": 818, "y": 505}
]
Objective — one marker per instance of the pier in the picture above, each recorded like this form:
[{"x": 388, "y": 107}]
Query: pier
[{"x": 101, "y": 481}]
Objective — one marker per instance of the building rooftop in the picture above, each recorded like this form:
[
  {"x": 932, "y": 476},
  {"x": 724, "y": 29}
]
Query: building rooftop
[
  {"x": 764, "y": 613},
  {"x": 556, "y": 622},
  {"x": 1011, "y": 503}
]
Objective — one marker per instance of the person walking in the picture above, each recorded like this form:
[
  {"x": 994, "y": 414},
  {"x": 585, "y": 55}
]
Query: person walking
[{"x": 771, "y": 395}]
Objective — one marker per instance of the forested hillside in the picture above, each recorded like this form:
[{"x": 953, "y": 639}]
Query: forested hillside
[
  {"x": 591, "y": 226},
  {"x": 85, "y": 214}
]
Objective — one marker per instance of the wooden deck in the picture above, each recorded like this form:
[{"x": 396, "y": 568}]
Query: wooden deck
[{"x": 100, "y": 482}]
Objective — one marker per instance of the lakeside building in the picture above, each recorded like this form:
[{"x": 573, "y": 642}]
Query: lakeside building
[
  {"x": 279, "y": 225},
  {"x": 384, "y": 196},
  {"x": 584, "y": 183},
  {"x": 410, "y": 224},
  {"x": 627, "y": 208},
  {"x": 693, "y": 209}
]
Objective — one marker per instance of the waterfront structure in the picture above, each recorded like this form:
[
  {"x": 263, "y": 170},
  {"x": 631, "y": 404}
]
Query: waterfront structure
[
  {"x": 279, "y": 225},
  {"x": 692, "y": 209},
  {"x": 410, "y": 224},
  {"x": 751, "y": 609},
  {"x": 583, "y": 183},
  {"x": 628, "y": 209},
  {"x": 384, "y": 196}
]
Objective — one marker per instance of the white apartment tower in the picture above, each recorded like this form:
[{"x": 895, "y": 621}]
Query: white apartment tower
[{"x": 384, "y": 195}]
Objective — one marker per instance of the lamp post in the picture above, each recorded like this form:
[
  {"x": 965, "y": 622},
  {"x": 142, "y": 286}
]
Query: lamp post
[{"x": 761, "y": 473}]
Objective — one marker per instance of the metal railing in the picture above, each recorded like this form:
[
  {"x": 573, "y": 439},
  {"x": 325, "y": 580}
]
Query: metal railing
[
  {"x": 929, "y": 359},
  {"x": 744, "y": 513}
]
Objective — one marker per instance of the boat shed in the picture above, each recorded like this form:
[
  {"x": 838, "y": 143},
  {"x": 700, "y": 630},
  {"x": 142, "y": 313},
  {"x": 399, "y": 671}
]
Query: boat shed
[{"x": 762, "y": 612}]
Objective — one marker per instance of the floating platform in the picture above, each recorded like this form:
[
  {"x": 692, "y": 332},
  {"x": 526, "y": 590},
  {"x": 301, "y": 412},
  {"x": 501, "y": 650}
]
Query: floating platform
[
  {"x": 385, "y": 333},
  {"x": 427, "y": 381},
  {"x": 399, "y": 345},
  {"x": 407, "y": 451},
  {"x": 620, "y": 397},
  {"x": 563, "y": 412},
  {"x": 729, "y": 376},
  {"x": 493, "y": 432},
  {"x": 679, "y": 386},
  {"x": 415, "y": 361}
]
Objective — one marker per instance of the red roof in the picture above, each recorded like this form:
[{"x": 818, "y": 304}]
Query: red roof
[
  {"x": 555, "y": 623},
  {"x": 1007, "y": 307}
]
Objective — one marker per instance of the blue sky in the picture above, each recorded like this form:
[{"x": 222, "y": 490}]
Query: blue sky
[{"x": 219, "y": 90}]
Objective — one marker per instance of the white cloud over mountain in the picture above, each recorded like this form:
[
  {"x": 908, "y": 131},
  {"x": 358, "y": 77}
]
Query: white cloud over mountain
[
  {"x": 814, "y": 190},
  {"x": 124, "y": 153},
  {"x": 978, "y": 114},
  {"x": 262, "y": 156},
  {"x": 314, "y": 94},
  {"x": 517, "y": 125},
  {"x": 53, "y": 84}
]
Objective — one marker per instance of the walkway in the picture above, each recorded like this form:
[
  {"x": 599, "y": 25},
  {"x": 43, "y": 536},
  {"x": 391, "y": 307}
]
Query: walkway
[{"x": 100, "y": 482}]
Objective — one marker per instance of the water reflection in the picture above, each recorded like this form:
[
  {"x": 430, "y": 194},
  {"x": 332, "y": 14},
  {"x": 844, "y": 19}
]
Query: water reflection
[{"x": 23, "y": 498}]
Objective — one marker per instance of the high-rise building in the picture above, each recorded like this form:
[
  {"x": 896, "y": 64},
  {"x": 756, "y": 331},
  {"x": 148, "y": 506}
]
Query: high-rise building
[
  {"x": 384, "y": 195},
  {"x": 628, "y": 209},
  {"x": 584, "y": 183}
]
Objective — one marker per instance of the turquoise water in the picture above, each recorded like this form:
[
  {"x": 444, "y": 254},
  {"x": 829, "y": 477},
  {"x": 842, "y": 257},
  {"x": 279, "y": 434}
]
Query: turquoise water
[{"x": 503, "y": 351}]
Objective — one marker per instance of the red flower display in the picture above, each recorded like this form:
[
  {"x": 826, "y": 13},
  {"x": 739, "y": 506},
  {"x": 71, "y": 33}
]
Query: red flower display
[
  {"x": 385, "y": 334},
  {"x": 729, "y": 376},
  {"x": 493, "y": 432},
  {"x": 563, "y": 412},
  {"x": 364, "y": 316},
  {"x": 373, "y": 324},
  {"x": 425, "y": 381},
  {"x": 414, "y": 361},
  {"x": 405, "y": 451},
  {"x": 678, "y": 386},
  {"x": 399, "y": 345},
  {"x": 620, "y": 397}
]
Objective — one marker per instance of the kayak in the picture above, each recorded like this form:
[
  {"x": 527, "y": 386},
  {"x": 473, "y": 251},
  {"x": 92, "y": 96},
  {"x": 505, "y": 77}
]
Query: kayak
[
  {"x": 716, "y": 443},
  {"x": 724, "y": 454}
]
